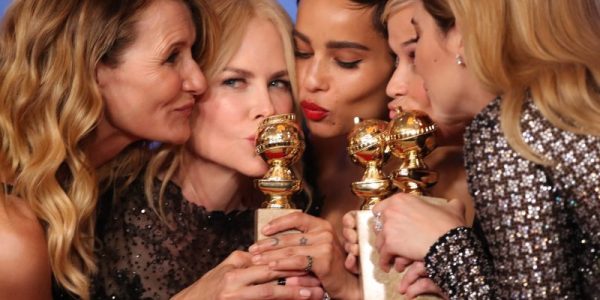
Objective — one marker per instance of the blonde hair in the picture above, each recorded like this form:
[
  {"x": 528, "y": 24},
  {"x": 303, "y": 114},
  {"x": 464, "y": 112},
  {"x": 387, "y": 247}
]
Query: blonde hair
[
  {"x": 547, "y": 50},
  {"x": 51, "y": 105},
  {"x": 233, "y": 17},
  {"x": 392, "y": 7}
]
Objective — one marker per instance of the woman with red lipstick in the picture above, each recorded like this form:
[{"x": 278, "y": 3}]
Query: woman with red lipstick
[
  {"x": 406, "y": 89},
  {"x": 342, "y": 74},
  {"x": 180, "y": 232},
  {"x": 343, "y": 65}
]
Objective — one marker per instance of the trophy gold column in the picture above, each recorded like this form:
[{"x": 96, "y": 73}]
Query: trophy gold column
[
  {"x": 368, "y": 148},
  {"x": 280, "y": 143},
  {"x": 411, "y": 137}
]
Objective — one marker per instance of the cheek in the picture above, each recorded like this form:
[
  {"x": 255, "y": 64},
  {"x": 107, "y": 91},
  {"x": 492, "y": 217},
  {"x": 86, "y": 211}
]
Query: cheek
[{"x": 284, "y": 105}]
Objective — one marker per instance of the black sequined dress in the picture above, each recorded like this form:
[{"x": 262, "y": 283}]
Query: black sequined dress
[
  {"x": 540, "y": 225},
  {"x": 140, "y": 257}
]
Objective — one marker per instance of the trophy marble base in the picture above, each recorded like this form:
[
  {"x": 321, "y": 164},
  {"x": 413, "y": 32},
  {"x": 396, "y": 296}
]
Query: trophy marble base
[
  {"x": 265, "y": 215},
  {"x": 377, "y": 284}
]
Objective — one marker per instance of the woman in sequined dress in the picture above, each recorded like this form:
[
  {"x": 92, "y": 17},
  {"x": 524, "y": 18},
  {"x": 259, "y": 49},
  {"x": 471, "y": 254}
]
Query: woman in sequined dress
[
  {"x": 187, "y": 242},
  {"x": 407, "y": 91},
  {"x": 526, "y": 74},
  {"x": 75, "y": 101}
]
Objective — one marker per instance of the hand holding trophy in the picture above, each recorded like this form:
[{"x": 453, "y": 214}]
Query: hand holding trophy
[
  {"x": 409, "y": 137},
  {"x": 280, "y": 143}
]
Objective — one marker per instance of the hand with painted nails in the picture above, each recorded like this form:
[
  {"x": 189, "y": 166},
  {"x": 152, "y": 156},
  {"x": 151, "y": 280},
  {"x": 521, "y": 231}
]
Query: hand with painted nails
[
  {"x": 315, "y": 250},
  {"x": 411, "y": 225},
  {"x": 238, "y": 278}
]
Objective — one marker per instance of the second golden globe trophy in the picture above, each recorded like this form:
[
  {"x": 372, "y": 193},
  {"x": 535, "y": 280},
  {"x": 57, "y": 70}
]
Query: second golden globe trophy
[
  {"x": 409, "y": 137},
  {"x": 280, "y": 143},
  {"x": 368, "y": 148}
]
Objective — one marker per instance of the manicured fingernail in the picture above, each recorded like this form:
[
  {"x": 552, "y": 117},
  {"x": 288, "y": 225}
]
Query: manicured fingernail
[
  {"x": 304, "y": 293},
  {"x": 253, "y": 248},
  {"x": 256, "y": 258},
  {"x": 266, "y": 229}
]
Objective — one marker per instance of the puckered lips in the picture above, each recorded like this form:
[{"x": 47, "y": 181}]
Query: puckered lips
[{"x": 312, "y": 111}]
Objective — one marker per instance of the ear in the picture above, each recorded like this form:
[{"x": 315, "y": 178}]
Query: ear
[
  {"x": 454, "y": 39},
  {"x": 102, "y": 74}
]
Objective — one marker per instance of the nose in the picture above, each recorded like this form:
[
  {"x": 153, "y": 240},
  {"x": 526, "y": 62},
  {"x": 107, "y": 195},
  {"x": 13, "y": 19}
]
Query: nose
[
  {"x": 263, "y": 105},
  {"x": 315, "y": 76},
  {"x": 397, "y": 86},
  {"x": 194, "y": 80}
]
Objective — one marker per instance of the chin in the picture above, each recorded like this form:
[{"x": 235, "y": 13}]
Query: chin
[
  {"x": 178, "y": 137},
  {"x": 255, "y": 167},
  {"x": 324, "y": 130}
]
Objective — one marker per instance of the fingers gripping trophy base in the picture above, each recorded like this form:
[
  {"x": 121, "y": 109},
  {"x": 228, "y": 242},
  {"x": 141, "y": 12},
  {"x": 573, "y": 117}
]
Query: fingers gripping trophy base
[
  {"x": 265, "y": 215},
  {"x": 376, "y": 284}
]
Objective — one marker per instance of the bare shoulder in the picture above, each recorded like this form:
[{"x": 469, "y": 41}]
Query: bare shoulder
[{"x": 25, "y": 271}]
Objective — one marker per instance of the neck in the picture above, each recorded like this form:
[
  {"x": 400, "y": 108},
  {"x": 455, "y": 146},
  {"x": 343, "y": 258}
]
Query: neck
[
  {"x": 210, "y": 185},
  {"x": 335, "y": 159},
  {"x": 106, "y": 143}
]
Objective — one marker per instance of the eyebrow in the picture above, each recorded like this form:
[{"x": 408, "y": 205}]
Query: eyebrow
[
  {"x": 248, "y": 74},
  {"x": 333, "y": 44},
  {"x": 280, "y": 74},
  {"x": 241, "y": 72}
]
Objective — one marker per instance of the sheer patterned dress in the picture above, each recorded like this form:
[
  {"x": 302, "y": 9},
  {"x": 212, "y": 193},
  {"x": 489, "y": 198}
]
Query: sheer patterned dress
[
  {"x": 141, "y": 257},
  {"x": 539, "y": 234}
]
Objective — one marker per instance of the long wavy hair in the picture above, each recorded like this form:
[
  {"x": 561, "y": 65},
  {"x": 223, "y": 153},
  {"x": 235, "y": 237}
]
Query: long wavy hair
[
  {"x": 50, "y": 105},
  {"x": 544, "y": 50},
  {"x": 233, "y": 18}
]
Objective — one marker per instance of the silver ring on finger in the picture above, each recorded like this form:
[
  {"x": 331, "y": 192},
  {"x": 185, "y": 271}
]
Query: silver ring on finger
[{"x": 378, "y": 223}]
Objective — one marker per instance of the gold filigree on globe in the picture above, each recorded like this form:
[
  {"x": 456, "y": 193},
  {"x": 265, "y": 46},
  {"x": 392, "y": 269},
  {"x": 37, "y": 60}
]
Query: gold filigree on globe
[
  {"x": 367, "y": 147},
  {"x": 280, "y": 143},
  {"x": 411, "y": 137}
]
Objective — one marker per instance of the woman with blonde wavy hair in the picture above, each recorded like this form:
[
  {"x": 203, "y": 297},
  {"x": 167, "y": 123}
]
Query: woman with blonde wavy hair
[
  {"x": 527, "y": 75},
  {"x": 82, "y": 82},
  {"x": 181, "y": 229}
]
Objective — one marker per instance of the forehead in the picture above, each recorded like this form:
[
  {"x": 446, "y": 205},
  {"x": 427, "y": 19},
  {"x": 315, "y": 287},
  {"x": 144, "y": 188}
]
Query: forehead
[
  {"x": 399, "y": 24},
  {"x": 335, "y": 20},
  {"x": 164, "y": 17},
  {"x": 261, "y": 39}
]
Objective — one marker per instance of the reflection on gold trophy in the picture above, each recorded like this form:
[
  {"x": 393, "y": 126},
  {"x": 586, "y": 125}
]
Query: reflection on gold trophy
[
  {"x": 280, "y": 143},
  {"x": 367, "y": 147},
  {"x": 409, "y": 137}
]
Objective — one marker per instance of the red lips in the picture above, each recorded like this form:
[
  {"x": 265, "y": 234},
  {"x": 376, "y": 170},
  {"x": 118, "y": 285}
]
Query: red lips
[{"x": 312, "y": 111}]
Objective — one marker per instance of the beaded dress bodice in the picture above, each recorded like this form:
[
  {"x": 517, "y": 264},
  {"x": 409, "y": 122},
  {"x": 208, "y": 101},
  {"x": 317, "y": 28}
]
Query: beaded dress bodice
[{"x": 540, "y": 224}]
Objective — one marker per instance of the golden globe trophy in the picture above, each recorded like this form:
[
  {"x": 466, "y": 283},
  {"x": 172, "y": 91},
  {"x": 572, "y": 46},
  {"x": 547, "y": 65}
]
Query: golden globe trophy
[
  {"x": 368, "y": 148},
  {"x": 411, "y": 137},
  {"x": 280, "y": 143}
]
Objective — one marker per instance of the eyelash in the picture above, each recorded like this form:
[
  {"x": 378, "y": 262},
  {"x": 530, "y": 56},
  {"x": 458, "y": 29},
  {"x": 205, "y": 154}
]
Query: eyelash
[
  {"x": 349, "y": 65},
  {"x": 302, "y": 55},
  {"x": 342, "y": 64},
  {"x": 285, "y": 84},
  {"x": 233, "y": 82},
  {"x": 172, "y": 57}
]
